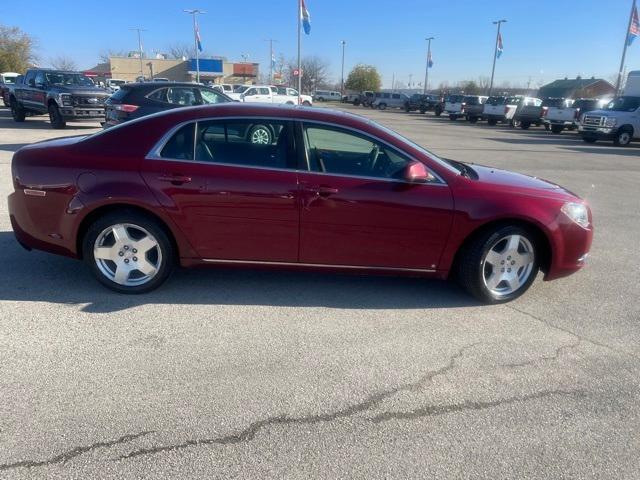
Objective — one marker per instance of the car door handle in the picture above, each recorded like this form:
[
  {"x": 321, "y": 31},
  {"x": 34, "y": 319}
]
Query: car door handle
[
  {"x": 175, "y": 179},
  {"x": 322, "y": 191}
]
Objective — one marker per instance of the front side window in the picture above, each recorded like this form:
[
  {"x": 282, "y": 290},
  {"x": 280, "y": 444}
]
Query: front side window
[
  {"x": 181, "y": 96},
  {"x": 180, "y": 145},
  {"x": 250, "y": 92},
  {"x": 264, "y": 91},
  {"x": 211, "y": 97},
  {"x": 339, "y": 152},
  {"x": 247, "y": 142}
]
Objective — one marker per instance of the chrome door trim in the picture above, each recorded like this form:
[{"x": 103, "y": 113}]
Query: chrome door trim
[{"x": 317, "y": 265}]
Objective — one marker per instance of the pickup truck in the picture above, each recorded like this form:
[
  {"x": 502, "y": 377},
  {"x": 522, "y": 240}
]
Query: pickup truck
[
  {"x": 568, "y": 113},
  {"x": 530, "y": 112},
  {"x": 65, "y": 96},
  {"x": 473, "y": 107},
  {"x": 7, "y": 79},
  {"x": 423, "y": 103},
  {"x": 272, "y": 94},
  {"x": 453, "y": 106}
]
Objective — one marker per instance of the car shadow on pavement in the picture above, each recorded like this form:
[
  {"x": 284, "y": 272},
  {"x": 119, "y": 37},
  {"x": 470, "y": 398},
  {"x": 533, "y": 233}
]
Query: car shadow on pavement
[
  {"x": 629, "y": 151},
  {"x": 12, "y": 147},
  {"x": 40, "y": 277}
]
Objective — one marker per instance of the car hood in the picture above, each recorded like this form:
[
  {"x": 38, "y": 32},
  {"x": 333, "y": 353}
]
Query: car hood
[
  {"x": 516, "y": 181},
  {"x": 82, "y": 91},
  {"x": 604, "y": 113}
]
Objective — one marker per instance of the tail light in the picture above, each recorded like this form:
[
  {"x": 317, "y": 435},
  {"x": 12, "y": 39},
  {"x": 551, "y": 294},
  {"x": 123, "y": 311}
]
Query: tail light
[
  {"x": 462, "y": 105},
  {"x": 544, "y": 111},
  {"x": 123, "y": 107}
]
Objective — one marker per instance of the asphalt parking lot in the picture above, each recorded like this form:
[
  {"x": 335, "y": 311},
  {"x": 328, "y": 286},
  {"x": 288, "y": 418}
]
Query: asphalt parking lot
[{"x": 252, "y": 374}]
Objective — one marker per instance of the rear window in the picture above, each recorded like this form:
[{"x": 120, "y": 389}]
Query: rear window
[
  {"x": 553, "y": 102},
  {"x": 496, "y": 100},
  {"x": 472, "y": 100},
  {"x": 120, "y": 94},
  {"x": 586, "y": 104},
  {"x": 455, "y": 98}
]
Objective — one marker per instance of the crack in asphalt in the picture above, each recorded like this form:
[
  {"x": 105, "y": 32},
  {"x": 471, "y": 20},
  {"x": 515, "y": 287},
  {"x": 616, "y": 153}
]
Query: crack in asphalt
[
  {"x": 581, "y": 337},
  {"x": 544, "y": 358},
  {"x": 74, "y": 452},
  {"x": 368, "y": 403},
  {"x": 434, "y": 410}
]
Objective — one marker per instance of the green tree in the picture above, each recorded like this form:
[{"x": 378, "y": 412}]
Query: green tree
[
  {"x": 363, "y": 77},
  {"x": 16, "y": 49}
]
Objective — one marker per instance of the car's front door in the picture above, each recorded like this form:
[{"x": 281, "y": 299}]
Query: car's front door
[
  {"x": 358, "y": 211},
  {"x": 230, "y": 186}
]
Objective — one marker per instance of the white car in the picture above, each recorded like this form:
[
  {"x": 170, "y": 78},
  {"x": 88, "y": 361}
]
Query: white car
[
  {"x": 225, "y": 88},
  {"x": 113, "y": 84},
  {"x": 454, "y": 106},
  {"x": 567, "y": 115},
  {"x": 272, "y": 94}
]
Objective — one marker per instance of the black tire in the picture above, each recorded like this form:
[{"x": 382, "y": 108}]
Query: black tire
[
  {"x": 306, "y": 104},
  {"x": 17, "y": 112},
  {"x": 407, "y": 108},
  {"x": 589, "y": 139},
  {"x": 472, "y": 119},
  {"x": 168, "y": 254},
  {"x": 525, "y": 125},
  {"x": 55, "y": 118},
  {"x": 557, "y": 128},
  {"x": 515, "y": 123},
  {"x": 438, "y": 111},
  {"x": 382, "y": 106},
  {"x": 623, "y": 137},
  {"x": 356, "y": 102},
  {"x": 423, "y": 111},
  {"x": 492, "y": 121},
  {"x": 470, "y": 264},
  {"x": 260, "y": 134},
  {"x": 453, "y": 118},
  {"x": 547, "y": 127}
]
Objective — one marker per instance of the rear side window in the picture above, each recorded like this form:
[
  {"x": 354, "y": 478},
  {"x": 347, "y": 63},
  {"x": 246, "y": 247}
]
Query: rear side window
[
  {"x": 180, "y": 145},
  {"x": 395, "y": 96},
  {"x": 250, "y": 142}
]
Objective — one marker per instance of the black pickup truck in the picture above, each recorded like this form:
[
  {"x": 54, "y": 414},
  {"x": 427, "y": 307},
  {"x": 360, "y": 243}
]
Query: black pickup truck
[
  {"x": 65, "y": 96},
  {"x": 423, "y": 103}
]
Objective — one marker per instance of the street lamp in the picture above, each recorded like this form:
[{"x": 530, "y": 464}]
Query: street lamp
[
  {"x": 139, "y": 30},
  {"x": 196, "y": 37},
  {"x": 426, "y": 73},
  {"x": 342, "y": 81},
  {"x": 495, "y": 53}
]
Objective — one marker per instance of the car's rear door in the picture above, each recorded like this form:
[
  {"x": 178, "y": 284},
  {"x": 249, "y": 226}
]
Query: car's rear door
[
  {"x": 358, "y": 211},
  {"x": 234, "y": 194}
]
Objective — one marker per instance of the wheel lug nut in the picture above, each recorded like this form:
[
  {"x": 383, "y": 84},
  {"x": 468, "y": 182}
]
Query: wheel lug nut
[
  {"x": 126, "y": 260},
  {"x": 126, "y": 247},
  {"x": 121, "y": 254},
  {"x": 134, "y": 250},
  {"x": 135, "y": 259},
  {"x": 508, "y": 270}
]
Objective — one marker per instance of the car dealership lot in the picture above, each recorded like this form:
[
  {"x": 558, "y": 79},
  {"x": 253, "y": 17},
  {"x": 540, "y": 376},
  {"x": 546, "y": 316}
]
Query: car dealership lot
[{"x": 256, "y": 374}]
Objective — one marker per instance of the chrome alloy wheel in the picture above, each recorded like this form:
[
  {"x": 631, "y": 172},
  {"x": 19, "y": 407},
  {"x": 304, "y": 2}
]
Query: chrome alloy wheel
[
  {"x": 127, "y": 254},
  {"x": 508, "y": 265},
  {"x": 260, "y": 136}
]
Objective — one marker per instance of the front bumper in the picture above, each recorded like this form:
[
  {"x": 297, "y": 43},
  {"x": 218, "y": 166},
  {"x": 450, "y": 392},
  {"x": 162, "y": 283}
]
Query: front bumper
[
  {"x": 571, "y": 245},
  {"x": 600, "y": 133}
]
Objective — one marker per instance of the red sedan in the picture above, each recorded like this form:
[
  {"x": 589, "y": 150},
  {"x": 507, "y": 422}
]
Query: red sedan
[{"x": 314, "y": 189}]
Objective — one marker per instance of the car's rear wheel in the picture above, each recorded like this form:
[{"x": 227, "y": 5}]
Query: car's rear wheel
[
  {"x": 260, "y": 134},
  {"x": 623, "y": 137},
  {"x": 306, "y": 103},
  {"x": 589, "y": 139},
  {"x": 438, "y": 111},
  {"x": 498, "y": 265},
  {"x": 525, "y": 125},
  {"x": 382, "y": 106},
  {"x": 17, "y": 112},
  {"x": 557, "y": 128},
  {"x": 515, "y": 123},
  {"x": 472, "y": 119},
  {"x": 492, "y": 122},
  {"x": 128, "y": 252},
  {"x": 55, "y": 117}
]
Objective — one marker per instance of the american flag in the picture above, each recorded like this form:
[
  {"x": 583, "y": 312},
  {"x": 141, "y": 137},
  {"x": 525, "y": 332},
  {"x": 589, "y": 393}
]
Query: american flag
[{"x": 634, "y": 27}]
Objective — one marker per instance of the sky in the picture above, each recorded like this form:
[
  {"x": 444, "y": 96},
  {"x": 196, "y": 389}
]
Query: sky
[{"x": 543, "y": 40}]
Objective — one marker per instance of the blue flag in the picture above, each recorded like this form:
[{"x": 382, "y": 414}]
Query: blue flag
[{"x": 306, "y": 18}]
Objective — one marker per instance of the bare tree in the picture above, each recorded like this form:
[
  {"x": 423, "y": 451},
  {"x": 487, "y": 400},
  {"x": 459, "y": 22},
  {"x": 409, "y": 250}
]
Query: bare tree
[
  {"x": 315, "y": 72},
  {"x": 483, "y": 84},
  {"x": 105, "y": 55},
  {"x": 179, "y": 51},
  {"x": 62, "y": 62}
]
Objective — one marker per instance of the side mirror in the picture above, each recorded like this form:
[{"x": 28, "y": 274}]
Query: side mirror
[
  {"x": 416, "y": 172},
  {"x": 32, "y": 82}
]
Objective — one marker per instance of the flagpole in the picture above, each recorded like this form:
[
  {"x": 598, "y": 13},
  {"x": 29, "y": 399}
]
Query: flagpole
[
  {"x": 624, "y": 49},
  {"x": 299, "y": 47},
  {"x": 193, "y": 12},
  {"x": 426, "y": 73},
  {"x": 271, "y": 60},
  {"x": 495, "y": 54}
]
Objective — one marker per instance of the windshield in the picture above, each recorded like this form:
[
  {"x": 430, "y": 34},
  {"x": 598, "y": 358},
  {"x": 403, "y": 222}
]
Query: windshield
[
  {"x": 624, "y": 104},
  {"x": 554, "y": 102},
  {"x": 68, "y": 79},
  {"x": 240, "y": 88}
]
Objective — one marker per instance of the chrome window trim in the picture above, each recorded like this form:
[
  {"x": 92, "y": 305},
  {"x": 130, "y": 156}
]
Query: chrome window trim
[{"x": 154, "y": 153}]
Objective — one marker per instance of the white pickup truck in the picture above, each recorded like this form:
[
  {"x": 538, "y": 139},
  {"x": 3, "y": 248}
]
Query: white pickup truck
[
  {"x": 453, "y": 106},
  {"x": 272, "y": 94},
  {"x": 500, "y": 109},
  {"x": 567, "y": 115},
  {"x": 619, "y": 120}
]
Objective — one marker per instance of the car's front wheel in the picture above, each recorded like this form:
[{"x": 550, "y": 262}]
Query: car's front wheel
[
  {"x": 128, "y": 252},
  {"x": 498, "y": 265},
  {"x": 17, "y": 112},
  {"x": 55, "y": 117},
  {"x": 623, "y": 137}
]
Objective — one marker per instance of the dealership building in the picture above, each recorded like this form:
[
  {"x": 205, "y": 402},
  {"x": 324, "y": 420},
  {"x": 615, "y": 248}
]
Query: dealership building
[{"x": 216, "y": 70}]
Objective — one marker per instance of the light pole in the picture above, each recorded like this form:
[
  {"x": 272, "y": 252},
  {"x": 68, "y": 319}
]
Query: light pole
[
  {"x": 193, "y": 12},
  {"x": 140, "y": 49},
  {"x": 426, "y": 73},
  {"x": 495, "y": 53},
  {"x": 271, "y": 59},
  {"x": 342, "y": 76},
  {"x": 245, "y": 58}
]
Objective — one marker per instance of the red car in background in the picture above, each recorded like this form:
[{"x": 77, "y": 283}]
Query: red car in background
[{"x": 237, "y": 184}]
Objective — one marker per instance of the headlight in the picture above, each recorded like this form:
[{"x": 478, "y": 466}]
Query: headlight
[
  {"x": 65, "y": 99},
  {"x": 577, "y": 212},
  {"x": 610, "y": 122}
]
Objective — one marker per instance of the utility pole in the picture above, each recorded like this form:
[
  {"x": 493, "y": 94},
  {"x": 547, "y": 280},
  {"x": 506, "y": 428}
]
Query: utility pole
[
  {"x": 196, "y": 38},
  {"x": 245, "y": 59},
  {"x": 426, "y": 73},
  {"x": 624, "y": 49},
  {"x": 299, "y": 14},
  {"x": 342, "y": 76},
  {"x": 495, "y": 53},
  {"x": 410, "y": 77},
  {"x": 139, "y": 30}
]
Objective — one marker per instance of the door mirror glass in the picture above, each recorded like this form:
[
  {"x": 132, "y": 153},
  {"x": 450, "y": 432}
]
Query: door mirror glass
[{"x": 416, "y": 172}]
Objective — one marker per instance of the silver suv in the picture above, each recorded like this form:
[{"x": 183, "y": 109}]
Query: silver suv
[{"x": 390, "y": 100}]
